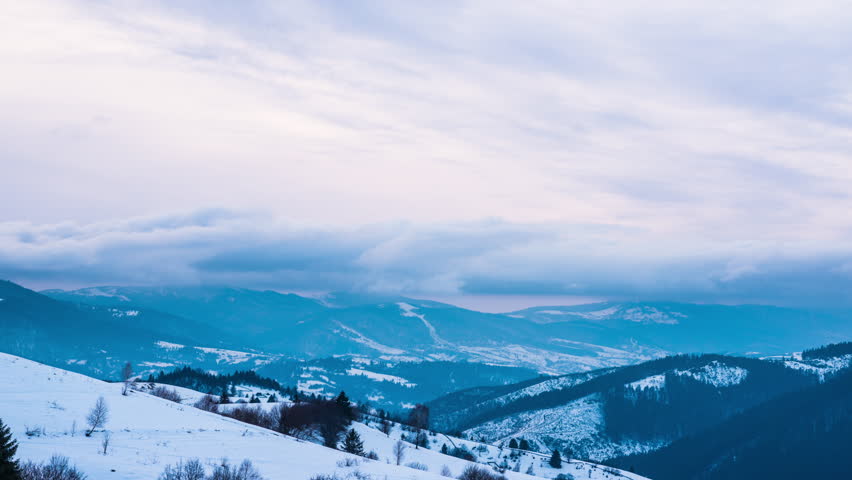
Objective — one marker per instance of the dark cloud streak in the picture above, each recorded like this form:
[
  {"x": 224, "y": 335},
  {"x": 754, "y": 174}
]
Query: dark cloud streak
[{"x": 484, "y": 258}]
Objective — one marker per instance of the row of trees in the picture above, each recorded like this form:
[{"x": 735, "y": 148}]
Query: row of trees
[
  {"x": 308, "y": 419},
  {"x": 212, "y": 383},
  {"x": 522, "y": 445}
]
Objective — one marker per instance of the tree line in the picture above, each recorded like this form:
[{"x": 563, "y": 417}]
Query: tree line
[{"x": 214, "y": 383}]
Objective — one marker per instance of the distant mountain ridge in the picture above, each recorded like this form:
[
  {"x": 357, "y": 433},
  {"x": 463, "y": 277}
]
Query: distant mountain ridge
[
  {"x": 551, "y": 340},
  {"x": 99, "y": 340},
  {"x": 395, "y": 329},
  {"x": 698, "y": 328},
  {"x": 223, "y": 329}
]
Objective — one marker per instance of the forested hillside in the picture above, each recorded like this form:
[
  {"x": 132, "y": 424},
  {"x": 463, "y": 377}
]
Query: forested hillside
[{"x": 803, "y": 434}]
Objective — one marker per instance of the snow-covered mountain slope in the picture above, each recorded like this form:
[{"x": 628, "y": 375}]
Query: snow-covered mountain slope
[
  {"x": 621, "y": 411},
  {"x": 454, "y": 409},
  {"x": 147, "y": 433},
  {"x": 500, "y": 456},
  {"x": 824, "y": 362},
  {"x": 578, "y": 425}
]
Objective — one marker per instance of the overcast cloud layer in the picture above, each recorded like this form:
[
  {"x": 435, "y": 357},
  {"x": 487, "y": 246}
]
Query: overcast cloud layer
[{"x": 636, "y": 149}]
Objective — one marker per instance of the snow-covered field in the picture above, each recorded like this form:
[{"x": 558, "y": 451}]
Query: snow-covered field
[{"x": 148, "y": 433}]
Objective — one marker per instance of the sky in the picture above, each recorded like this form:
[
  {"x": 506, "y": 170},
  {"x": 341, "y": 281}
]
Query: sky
[{"x": 475, "y": 151}]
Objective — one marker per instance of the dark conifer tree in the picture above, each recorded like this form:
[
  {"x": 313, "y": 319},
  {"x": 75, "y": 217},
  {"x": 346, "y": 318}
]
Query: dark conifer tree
[
  {"x": 556, "y": 460},
  {"x": 345, "y": 406},
  {"x": 224, "y": 398},
  {"x": 8, "y": 447},
  {"x": 524, "y": 445},
  {"x": 513, "y": 443},
  {"x": 352, "y": 443}
]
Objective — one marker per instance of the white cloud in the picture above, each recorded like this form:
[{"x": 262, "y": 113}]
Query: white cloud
[{"x": 653, "y": 133}]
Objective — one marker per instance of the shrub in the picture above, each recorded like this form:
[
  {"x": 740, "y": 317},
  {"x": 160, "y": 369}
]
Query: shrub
[
  {"x": 446, "y": 472},
  {"x": 473, "y": 472},
  {"x": 463, "y": 453},
  {"x": 57, "y": 468},
  {"x": 34, "y": 431},
  {"x": 194, "y": 470},
  {"x": 191, "y": 470},
  {"x": 207, "y": 403},
  {"x": 254, "y": 415},
  {"x": 348, "y": 462},
  {"x": 169, "y": 394},
  {"x": 225, "y": 471},
  {"x": 417, "y": 466}
]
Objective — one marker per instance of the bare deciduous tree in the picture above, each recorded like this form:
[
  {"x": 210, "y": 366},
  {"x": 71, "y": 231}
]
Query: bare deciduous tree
[
  {"x": 105, "y": 442},
  {"x": 385, "y": 426},
  {"x": 98, "y": 416},
  {"x": 418, "y": 418},
  {"x": 126, "y": 377},
  {"x": 399, "y": 451}
]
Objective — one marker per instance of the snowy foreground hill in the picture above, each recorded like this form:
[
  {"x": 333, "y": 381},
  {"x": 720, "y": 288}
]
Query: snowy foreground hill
[{"x": 46, "y": 408}]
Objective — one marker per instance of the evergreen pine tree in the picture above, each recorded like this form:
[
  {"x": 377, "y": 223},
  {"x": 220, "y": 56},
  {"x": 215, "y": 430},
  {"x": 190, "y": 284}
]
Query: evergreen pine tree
[
  {"x": 272, "y": 399},
  {"x": 224, "y": 398},
  {"x": 8, "y": 447},
  {"x": 444, "y": 449},
  {"x": 352, "y": 443},
  {"x": 345, "y": 406},
  {"x": 556, "y": 460},
  {"x": 524, "y": 445},
  {"x": 513, "y": 443}
]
